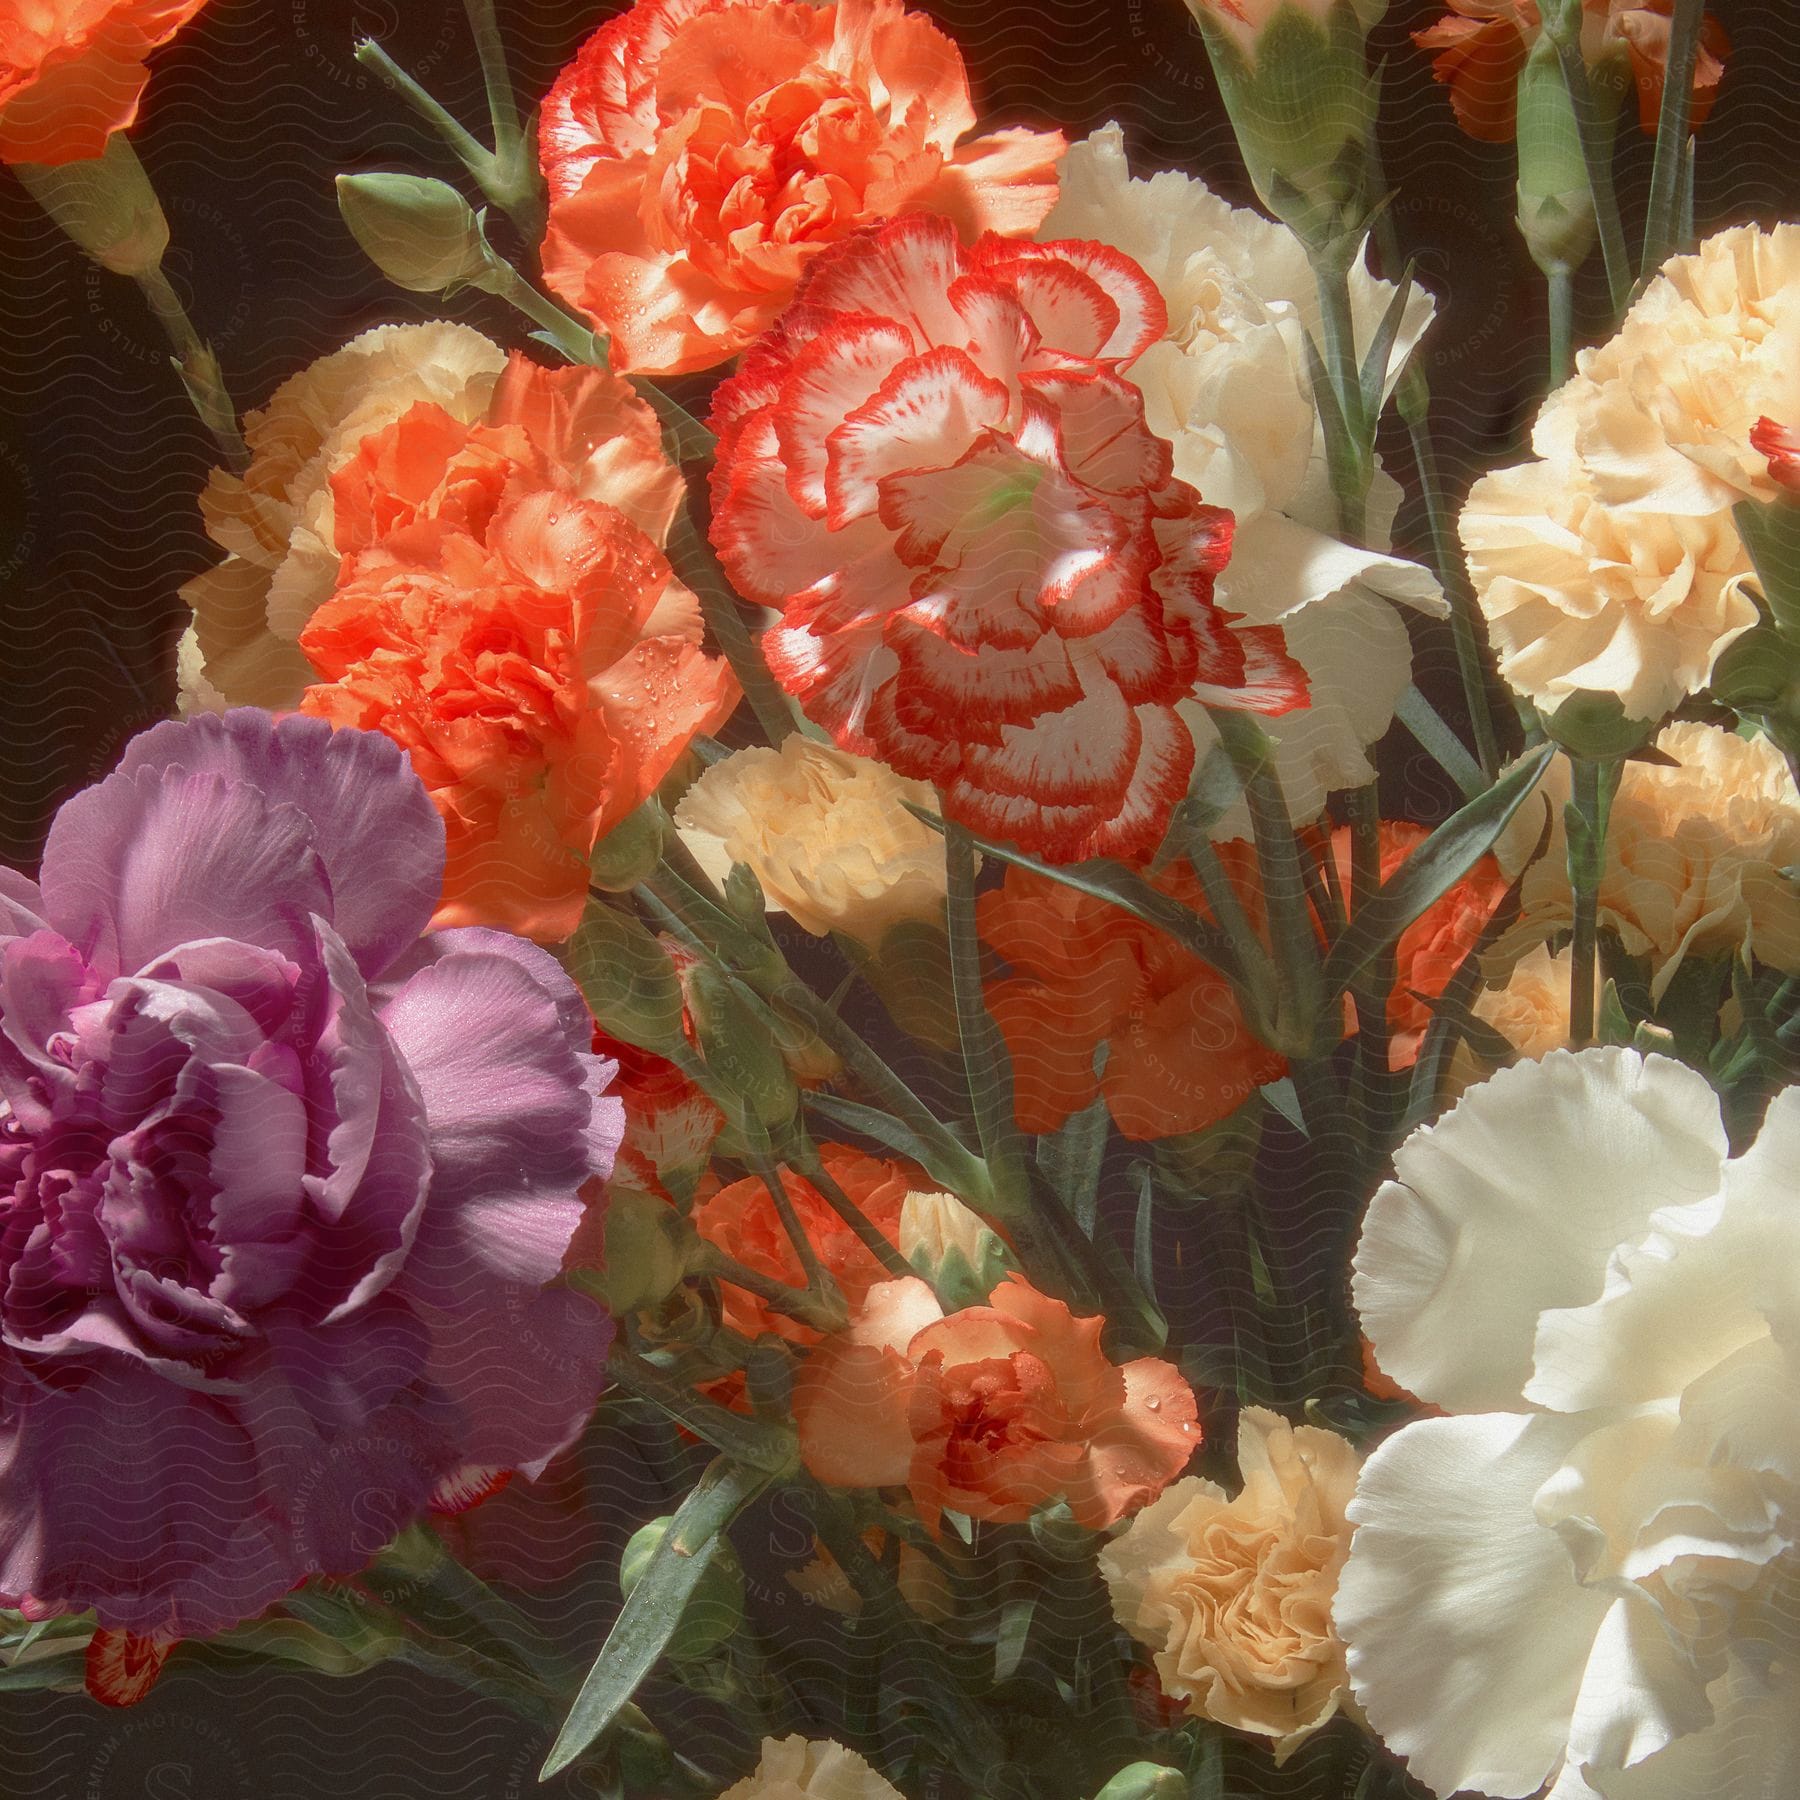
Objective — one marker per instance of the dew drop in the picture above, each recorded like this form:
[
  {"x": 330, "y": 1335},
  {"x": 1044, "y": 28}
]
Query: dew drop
[{"x": 1154, "y": 1404}]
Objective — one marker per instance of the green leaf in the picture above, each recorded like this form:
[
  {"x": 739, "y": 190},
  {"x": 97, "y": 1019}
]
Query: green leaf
[
  {"x": 1014, "y": 1633},
  {"x": 1772, "y": 536},
  {"x": 650, "y": 1616},
  {"x": 1381, "y": 350},
  {"x": 1071, "y": 1158},
  {"x": 1432, "y": 870},
  {"x": 1435, "y": 736},
  {"x": 1102, "y": 880},
  {"x": 948, "y": 1166}
]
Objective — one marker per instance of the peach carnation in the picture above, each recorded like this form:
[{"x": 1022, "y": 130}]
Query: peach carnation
[
  {"x": 543, "y": 677},
  {"x": 988, "y": 576},
  {"x": 1234, "y": 1596},
  {"x": 797, "y": 1768},
  {"x": 1480, "y": 48},
  {"x": 1179, "y": 1055},
  {"x": 700, "y": 153},
  {"x": 993, "y": 1411},
  {"x": 277, "y": 520},
  {"x": 741, "y": 1220},
  {"x": 72, "y": 72},
  {"x": 826, "y": 834}
]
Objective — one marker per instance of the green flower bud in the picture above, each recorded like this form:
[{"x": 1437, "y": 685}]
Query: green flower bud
[
  {"x": 1302, "y": 103},
  {"x": 1556, "y": 206},
  {"x": 630, "y": 851},
  {"x": 627, "y": 979},
  {"x": 1145, "y": 1781},
  {"x": 715, "y": 1609},
  {"x": 105, "y": 206},
  {"x": 1597, "y": 725},
  {"x": 648, "y": 1244},
  {"x": 421, "y": 234},
  {"x": 951, "y": 1248}
]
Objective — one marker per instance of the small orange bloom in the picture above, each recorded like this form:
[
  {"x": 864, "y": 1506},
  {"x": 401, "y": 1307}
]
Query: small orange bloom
[
  {"x": 1179, "y": 1056},
  {"x": 72, "y": 72},
  {"x": 992, "y": 1411},
  {"x": 1781, "y": 445},
  {"x": 700, "y": 153},
  {"x": 1481, "y": 45},
  {"x": 670, "y": 1125},
  {"x": 742, "y": 1221},
  {"x": 543, "y": 677},
  {"x": 1435, "y": 945}
]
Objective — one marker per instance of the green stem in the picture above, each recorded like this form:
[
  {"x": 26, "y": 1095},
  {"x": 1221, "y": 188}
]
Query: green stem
[
  {"x": 503, "y": 108},
  {"x": 867, "y": 1234},
  {"x": 809, "y": 1308},
  {"x": 199, "y": 367},
  {"x": 1354, "y": 467},
  {"x": 1562, "y": 322},
  {"x": 817, "y": 1281},
  {"x": 758, "y": 1443},
  {"x": 1597, "y": 154},
  {"x": 692, "y": 559},
  {"x": 1465, "y": 628},
  {"x": 1661, "y": 219},
  {"x": 570, "y": 336},
  {"x": 985, "y": 1061},
  {"x": 1590, "y": 786}
]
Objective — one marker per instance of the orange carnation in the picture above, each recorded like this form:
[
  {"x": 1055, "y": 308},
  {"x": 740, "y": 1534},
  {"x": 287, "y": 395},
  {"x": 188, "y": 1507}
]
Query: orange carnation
[
  {"x": 72, "y": 72},
  {"x": 1436, "y": 944},
  {"x": 1481, "y": 45},
  {"x": 742, "y": 1221},
  {"x": 503, "y": 612},
  {"x": 670, "y": 1125},
  {"x": 1179, "y": 1055},
  {"x": 699, "y": 153},
  {"x": 993, "y": 1411},
  {"x": 543, "y": 676}
]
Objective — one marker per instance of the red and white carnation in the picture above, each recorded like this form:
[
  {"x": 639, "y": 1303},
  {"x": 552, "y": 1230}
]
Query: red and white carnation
[{"x": 987, "y": 573}]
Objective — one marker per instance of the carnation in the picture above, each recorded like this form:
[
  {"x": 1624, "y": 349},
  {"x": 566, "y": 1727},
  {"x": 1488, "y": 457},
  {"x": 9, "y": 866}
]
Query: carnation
[
  {"x": 796, "y": 1768},
  {"x": 700, "y": 154},
  {"x": 989, "y": 576},
  {"x": 1233, "y": 1596},
  {"x": 827, "y": 835},
  {"x": 993, "y": 1410},
  {"x": 1584, "y": 1574},
  {"x": 1697, "y": 854},
  {"x": 277, "y": 519},
  {"x": 1227, "y": 384},
  {"x": 72, "y": 72},
  {"x": 289, "y": 1185}
]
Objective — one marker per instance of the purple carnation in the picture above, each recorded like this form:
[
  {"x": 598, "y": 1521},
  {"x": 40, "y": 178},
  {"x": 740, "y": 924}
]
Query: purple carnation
[{"x": 283, "y": 1185}]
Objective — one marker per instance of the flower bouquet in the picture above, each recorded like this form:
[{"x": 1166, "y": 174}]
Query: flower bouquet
[{"x": 767, "y": 1067}]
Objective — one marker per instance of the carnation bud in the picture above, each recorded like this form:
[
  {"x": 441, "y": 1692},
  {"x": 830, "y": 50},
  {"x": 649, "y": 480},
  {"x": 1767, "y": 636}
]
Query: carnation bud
[
  {"x": 1145, "y": 1781},
  {"x": 740, "y": 1048},
  {"x": 105, "y": 206},
  {"x": 951, "y": 1248},
  {"x": 1556, "y": 205},
  {"x": 648, "y": 1244},
  {"x": 630, "y": 851},
  {"x": 715, "y": 1609},
  {"x": 420, "y": 233},
  {"x": 628, "y": 981},
  {"x": 1294, "y": 77},
  {"x": 1596, "y": 725}
]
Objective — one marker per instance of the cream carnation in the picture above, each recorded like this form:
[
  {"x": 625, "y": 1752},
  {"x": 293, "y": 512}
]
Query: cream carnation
[
  {"x": 1589, "y": 1573},
  {"x": 1228, "y": 386},
  {"x": 276, "y": 519},
  {"x": 1532, "y": 1011},
  {"x": 1696, "y": 855},
  {"x": 795, "y": 1768},
  {"x": 826, "y": 833},
  {"x": 1234, "y": 1596},
  {"x": 1613, "y": 563}
]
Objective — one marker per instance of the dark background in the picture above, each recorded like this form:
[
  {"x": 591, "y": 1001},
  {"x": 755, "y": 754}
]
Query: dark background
[{"x": 251, "y": 112}]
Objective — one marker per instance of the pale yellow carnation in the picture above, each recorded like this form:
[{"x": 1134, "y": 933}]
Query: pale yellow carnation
[
  {"x": 1613, "y": 563},
  {"x": 1234, "y": 1596},
  {"x": 1695, "y": 856},
  {"x": 1661, "y": 414},
  {"x": 276, "y": 518},
  {"x": 1581, "y": 595},
  {"x": 826, "y": 833},
  {"x": 1532, "y": 1011},
  {"x": 796, "y": 1768}
]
